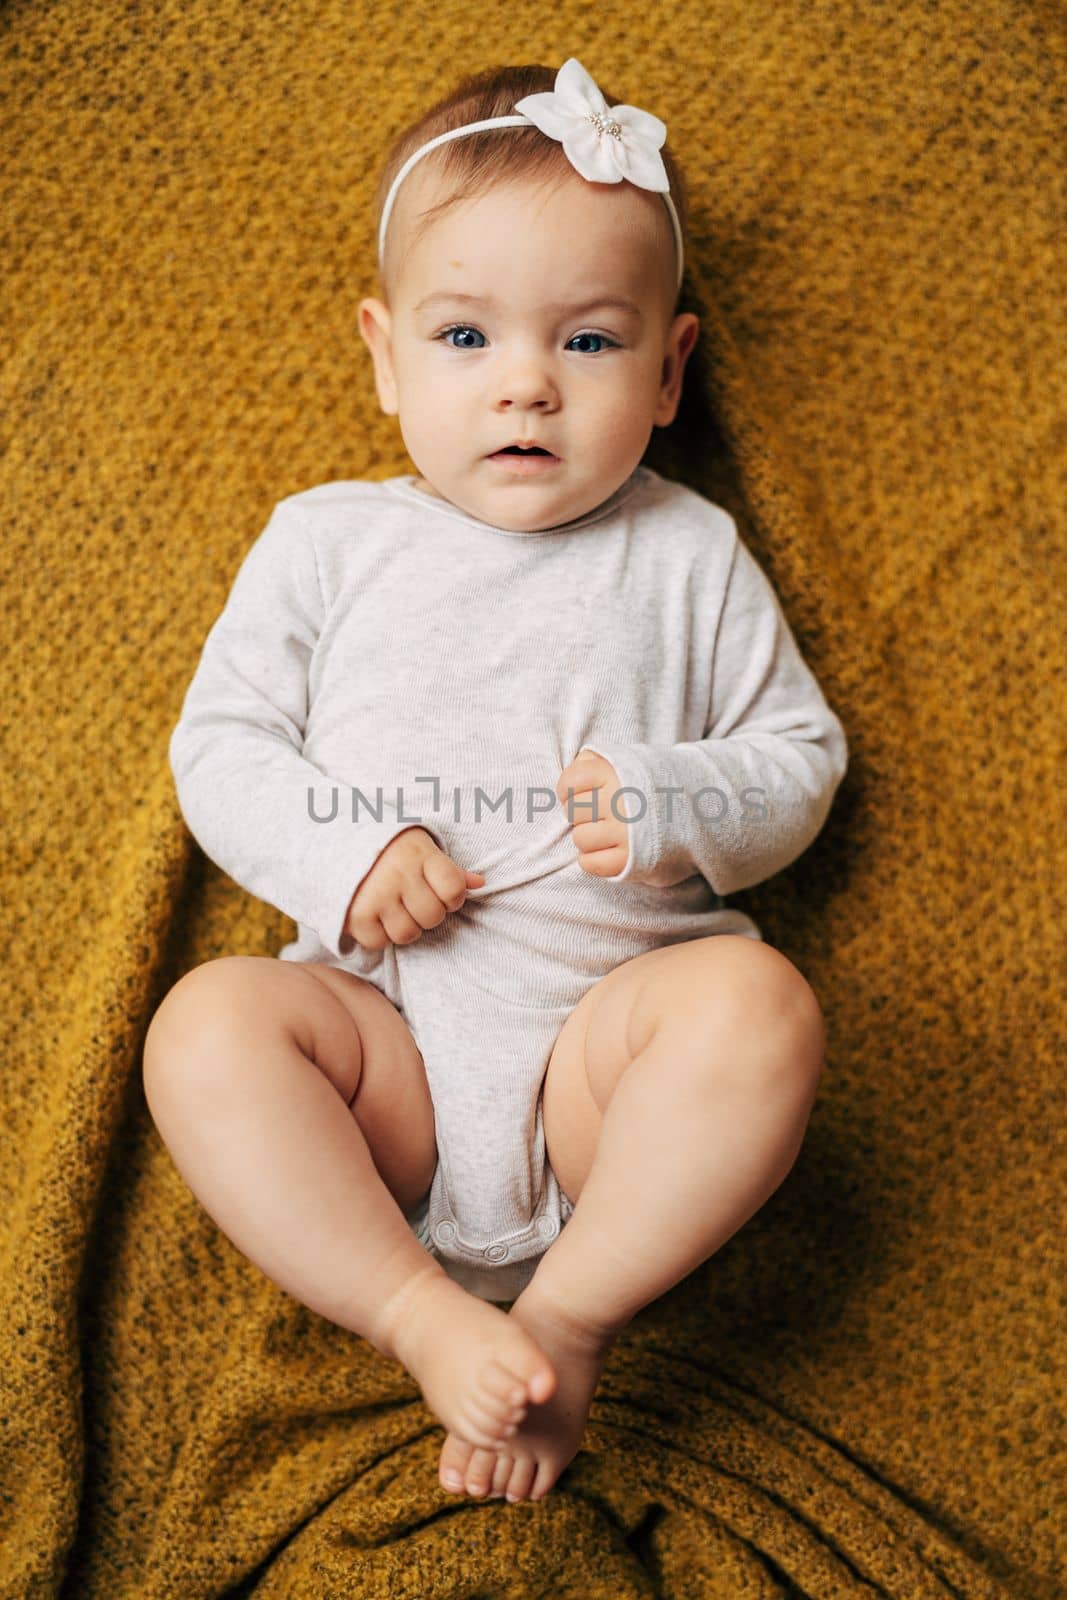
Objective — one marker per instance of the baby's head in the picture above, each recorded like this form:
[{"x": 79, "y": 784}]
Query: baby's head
[{"x": 534, "y": 352}]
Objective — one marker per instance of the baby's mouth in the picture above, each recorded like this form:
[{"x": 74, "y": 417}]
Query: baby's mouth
[{"x": 519, "y": 463}]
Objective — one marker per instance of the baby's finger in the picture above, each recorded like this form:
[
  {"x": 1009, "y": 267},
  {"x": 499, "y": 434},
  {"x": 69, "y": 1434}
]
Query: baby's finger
[
  {"x": 367, "y": 931},
  {"x": 597, "y": 835},
  {"x": 603, "y": 863},
  {"x": 448, "y": 881},
  {"x": 421, "y": 899},
  {"x": 400, "y": 925}
]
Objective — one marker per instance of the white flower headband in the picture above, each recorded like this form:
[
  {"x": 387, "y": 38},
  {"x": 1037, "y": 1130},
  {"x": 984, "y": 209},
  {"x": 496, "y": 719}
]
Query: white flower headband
[{"x": 604, "y": 144}]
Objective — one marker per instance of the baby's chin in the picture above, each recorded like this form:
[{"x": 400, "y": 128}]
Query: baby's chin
[{"x": 503, "y": 507}]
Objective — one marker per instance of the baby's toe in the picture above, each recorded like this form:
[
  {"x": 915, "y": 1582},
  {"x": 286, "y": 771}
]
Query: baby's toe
[
  {"x": 547, "y": 1473},
  {"x": 506, "y": 1387},
  {"x": 480, "y": 1471},
  {"x": 532, "y": 1370},
  {"x": 455, "y": 1458},
  {"x": 501, "y": 1475},
  {"x": 495, "y": 1404},
  {"x": 524, "y": 1362},
  {"x": 486, "y": 1428},
  {"x": 522, "y": 1476}
]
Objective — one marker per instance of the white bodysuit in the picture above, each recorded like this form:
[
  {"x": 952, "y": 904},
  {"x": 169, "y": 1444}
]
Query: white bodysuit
[{"x": 385, "y": 659}]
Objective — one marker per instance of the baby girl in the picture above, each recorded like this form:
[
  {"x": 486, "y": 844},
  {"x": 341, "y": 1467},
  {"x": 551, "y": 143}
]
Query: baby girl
[{"x": 499, "y": 738}]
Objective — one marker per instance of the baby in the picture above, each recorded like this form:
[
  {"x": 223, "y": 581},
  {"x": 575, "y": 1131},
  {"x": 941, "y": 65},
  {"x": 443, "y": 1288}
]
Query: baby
[{"x": 499, "y": 738}]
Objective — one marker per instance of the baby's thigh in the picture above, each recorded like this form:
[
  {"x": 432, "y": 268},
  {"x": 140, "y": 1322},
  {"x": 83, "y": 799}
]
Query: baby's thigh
[
  {"x": 391, "y": 1100},
  {"x": 234, "y": 1008}
]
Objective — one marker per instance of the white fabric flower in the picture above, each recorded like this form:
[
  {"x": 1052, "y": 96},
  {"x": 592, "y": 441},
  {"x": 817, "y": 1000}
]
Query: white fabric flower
[{"x": 605, "y": 144}]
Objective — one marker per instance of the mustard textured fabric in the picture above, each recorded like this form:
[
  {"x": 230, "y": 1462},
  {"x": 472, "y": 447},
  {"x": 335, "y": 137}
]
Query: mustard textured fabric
[{"x": 861, "y": 1393}]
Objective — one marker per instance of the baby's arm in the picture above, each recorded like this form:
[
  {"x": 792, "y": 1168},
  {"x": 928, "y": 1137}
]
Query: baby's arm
[
  {"x": 241, "y": 779},
  {"x": 771, "y": 758}
]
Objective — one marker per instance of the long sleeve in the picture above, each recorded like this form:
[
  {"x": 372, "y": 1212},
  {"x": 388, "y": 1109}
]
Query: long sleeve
[
  {"x": 251, "y": 800},
  {"x": 754, "y": 792}
]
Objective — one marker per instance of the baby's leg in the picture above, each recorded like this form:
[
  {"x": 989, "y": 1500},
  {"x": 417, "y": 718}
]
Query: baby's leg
[
  {"x": 286, "y": 1094},
  {"x": 697, "y": 1071}
]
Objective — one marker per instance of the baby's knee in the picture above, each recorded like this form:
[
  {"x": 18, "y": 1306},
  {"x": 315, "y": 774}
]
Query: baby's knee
[{"x": 206, "y": 999}]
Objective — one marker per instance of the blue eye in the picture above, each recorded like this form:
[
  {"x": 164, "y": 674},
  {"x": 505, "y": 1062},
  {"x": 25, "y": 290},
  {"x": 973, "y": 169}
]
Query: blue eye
[
  {"x": 459, "y": 328},
  {"x": 465, "y": 327},
  {"x": 603, "y": 339}
]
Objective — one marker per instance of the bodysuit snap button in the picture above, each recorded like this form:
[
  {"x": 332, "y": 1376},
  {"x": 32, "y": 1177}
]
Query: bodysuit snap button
[
  {"x": 496, "y": 1252},
  {"x": 444, "y": 1232},
  {"x": 547, "y": 1227}
]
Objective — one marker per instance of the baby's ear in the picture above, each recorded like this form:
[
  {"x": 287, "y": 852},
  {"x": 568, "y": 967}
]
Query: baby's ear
[
  {"x": 374, "y": 321},
  {"x": 375, "y": 326}
]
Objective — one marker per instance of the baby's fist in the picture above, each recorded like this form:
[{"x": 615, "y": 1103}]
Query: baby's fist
[
  {"x": 585, "y": 790},
  {"x": 413, "y": 885}
]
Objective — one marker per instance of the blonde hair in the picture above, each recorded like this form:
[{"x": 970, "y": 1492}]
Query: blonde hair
[{"x": 471, "y": 166}]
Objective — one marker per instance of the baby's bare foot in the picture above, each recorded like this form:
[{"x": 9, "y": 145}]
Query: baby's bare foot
[
  {"x": 478, "y": 1369},
  {"x": 526, "y": 1465}
]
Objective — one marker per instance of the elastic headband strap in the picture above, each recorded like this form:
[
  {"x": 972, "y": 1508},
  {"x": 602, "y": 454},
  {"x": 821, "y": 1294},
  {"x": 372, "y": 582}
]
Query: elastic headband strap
[
  {"x": 525, "y": 122},
  {"x": 432, "y": 144}
]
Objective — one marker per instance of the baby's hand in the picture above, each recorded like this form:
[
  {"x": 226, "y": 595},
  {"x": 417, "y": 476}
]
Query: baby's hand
[
  {"x": 413, "y": 885},
  {"x": 603, "y": 846}
]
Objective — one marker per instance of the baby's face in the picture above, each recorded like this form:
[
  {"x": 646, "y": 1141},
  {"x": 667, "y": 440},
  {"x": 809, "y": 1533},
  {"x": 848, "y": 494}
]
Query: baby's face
[{"x": 535, "y": 351}]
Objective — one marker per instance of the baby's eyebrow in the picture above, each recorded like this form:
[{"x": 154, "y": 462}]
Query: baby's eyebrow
[{"x": 615, "y": 301}]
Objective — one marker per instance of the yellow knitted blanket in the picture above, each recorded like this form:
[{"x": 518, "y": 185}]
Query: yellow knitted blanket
[{"x": 858, "y": 1396}]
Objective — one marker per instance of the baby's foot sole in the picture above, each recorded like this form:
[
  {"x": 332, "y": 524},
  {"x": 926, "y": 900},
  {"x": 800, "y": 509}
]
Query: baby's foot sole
[{"x": 469, "y": 1358}]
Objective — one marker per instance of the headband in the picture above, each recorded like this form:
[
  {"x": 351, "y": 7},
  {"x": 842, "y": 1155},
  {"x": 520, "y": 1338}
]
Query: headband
[{"x": 604, "y": 144}]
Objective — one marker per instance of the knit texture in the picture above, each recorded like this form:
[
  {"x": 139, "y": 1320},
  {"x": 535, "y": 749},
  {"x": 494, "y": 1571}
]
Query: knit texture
[{"x": 861, "y": 1393}]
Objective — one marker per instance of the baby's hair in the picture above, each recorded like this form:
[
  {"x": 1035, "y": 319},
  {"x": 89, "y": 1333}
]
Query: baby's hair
[{"x": 471, "y": 166}]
